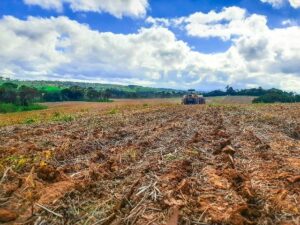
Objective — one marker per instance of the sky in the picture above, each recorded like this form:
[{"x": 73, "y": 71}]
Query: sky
[{"x": 201, "y": 44}]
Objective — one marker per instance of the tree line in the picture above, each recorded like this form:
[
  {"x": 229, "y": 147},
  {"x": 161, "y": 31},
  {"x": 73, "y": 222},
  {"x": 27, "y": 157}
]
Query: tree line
[
  {"x": 235, "y": 92},
  {"x": 111, "y": 90},
  {"x": 24, "y": 95},
  {"x": 263, "y": 95},
  {"x": 20, "y": 94},
  {"x": 77, "y": 93},
  {"x": 275, "y": 95}
]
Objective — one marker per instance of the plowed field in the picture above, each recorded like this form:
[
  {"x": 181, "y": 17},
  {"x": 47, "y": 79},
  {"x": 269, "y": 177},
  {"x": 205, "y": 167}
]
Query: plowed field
[{"x": 154, "y": 164}]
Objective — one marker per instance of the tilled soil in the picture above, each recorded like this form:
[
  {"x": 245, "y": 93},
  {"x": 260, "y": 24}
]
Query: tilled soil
[{"x": 231, "y": 164}]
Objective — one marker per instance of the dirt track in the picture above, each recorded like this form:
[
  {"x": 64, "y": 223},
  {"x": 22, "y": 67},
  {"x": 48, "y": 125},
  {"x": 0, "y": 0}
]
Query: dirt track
[{"x": 228, "y": 164}]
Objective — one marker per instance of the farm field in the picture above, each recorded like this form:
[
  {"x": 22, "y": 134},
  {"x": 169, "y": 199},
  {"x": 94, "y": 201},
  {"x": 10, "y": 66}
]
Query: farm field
[
  {"x": 65, "y": 111},
  {"x": 230, "y": 100},
  {"x": 62, "y": 111},
  {"x": 151, "y": 162}
]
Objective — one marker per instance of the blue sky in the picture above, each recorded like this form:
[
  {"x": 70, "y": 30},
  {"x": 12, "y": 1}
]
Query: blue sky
[{"x": 204, "y": 44}]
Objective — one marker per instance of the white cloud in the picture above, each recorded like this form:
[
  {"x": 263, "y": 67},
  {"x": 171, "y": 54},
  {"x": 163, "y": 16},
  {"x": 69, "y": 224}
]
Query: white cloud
[
  {"x": 295, "y": 3},
  {"x": 289, "y": 22},
  {"x": 225, "y": 30},
  {"x": 60, "y": 48},
  {"x": 118, "y": 8},
  {"x": 228, "y": 23},
  {"x": 279, "y": 3},
  {"x": 274, "y": 3},
  {"x": 158, "y": 21},
  {"x": 46, "y": 4},
  {"x": 257, "y": 53}
]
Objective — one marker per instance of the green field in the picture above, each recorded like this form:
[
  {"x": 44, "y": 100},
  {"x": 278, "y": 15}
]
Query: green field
[{"x": 9, "y": 107}]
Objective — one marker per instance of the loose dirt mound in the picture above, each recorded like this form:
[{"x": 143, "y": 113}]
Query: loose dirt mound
[{"x": 159, "y": 164}]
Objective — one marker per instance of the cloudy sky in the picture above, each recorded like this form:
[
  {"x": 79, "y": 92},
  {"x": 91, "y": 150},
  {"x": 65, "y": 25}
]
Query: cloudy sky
[{"x": 202, "y": 44}]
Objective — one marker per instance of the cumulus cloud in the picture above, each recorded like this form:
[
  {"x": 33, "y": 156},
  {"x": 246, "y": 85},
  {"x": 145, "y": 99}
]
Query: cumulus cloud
[
  {"x": 225, "y": 25},
  {"x": 117, "y": 8},
  {"x": 274, "y": 3},
  {"x": 279, "y": 3},
  {"x": 295, "y": 3},
  {"x": 46, "y": 4},
  {"x": 230, "y": 22},
  {"x": 289, "y": 22},
  {"x": 60, "y": 48}
]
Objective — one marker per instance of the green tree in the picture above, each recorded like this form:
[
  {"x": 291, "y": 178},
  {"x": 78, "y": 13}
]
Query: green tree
[
  {"x": 275, "y": 95},
  {"x": 8, "y": 93},
  {"x": 106, "y": 94},
  {"x": 92, "y": 94},
  {"x": 27, "y": 95},
  {"x": 74, "y": 93},
  {"x": 52, "y": 96},
  {"x": 230, "y": 90}
]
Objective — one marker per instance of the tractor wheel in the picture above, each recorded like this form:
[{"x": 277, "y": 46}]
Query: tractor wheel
[{"x": 201, "y": 101}]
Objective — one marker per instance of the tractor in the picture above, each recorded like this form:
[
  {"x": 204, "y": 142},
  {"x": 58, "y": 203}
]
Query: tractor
[{"x": 191, "y": 98}]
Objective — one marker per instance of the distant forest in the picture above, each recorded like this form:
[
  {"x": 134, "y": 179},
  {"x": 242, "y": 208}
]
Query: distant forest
[
  {"x": 67, "y": 90},
  {"x": 263, "y": 95},
  {"x": 27, "y": 92}
]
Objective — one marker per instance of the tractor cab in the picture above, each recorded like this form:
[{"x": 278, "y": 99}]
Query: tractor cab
[
  {"x": 191, "y": 92},
  {"x": 191, "y": 98}
]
